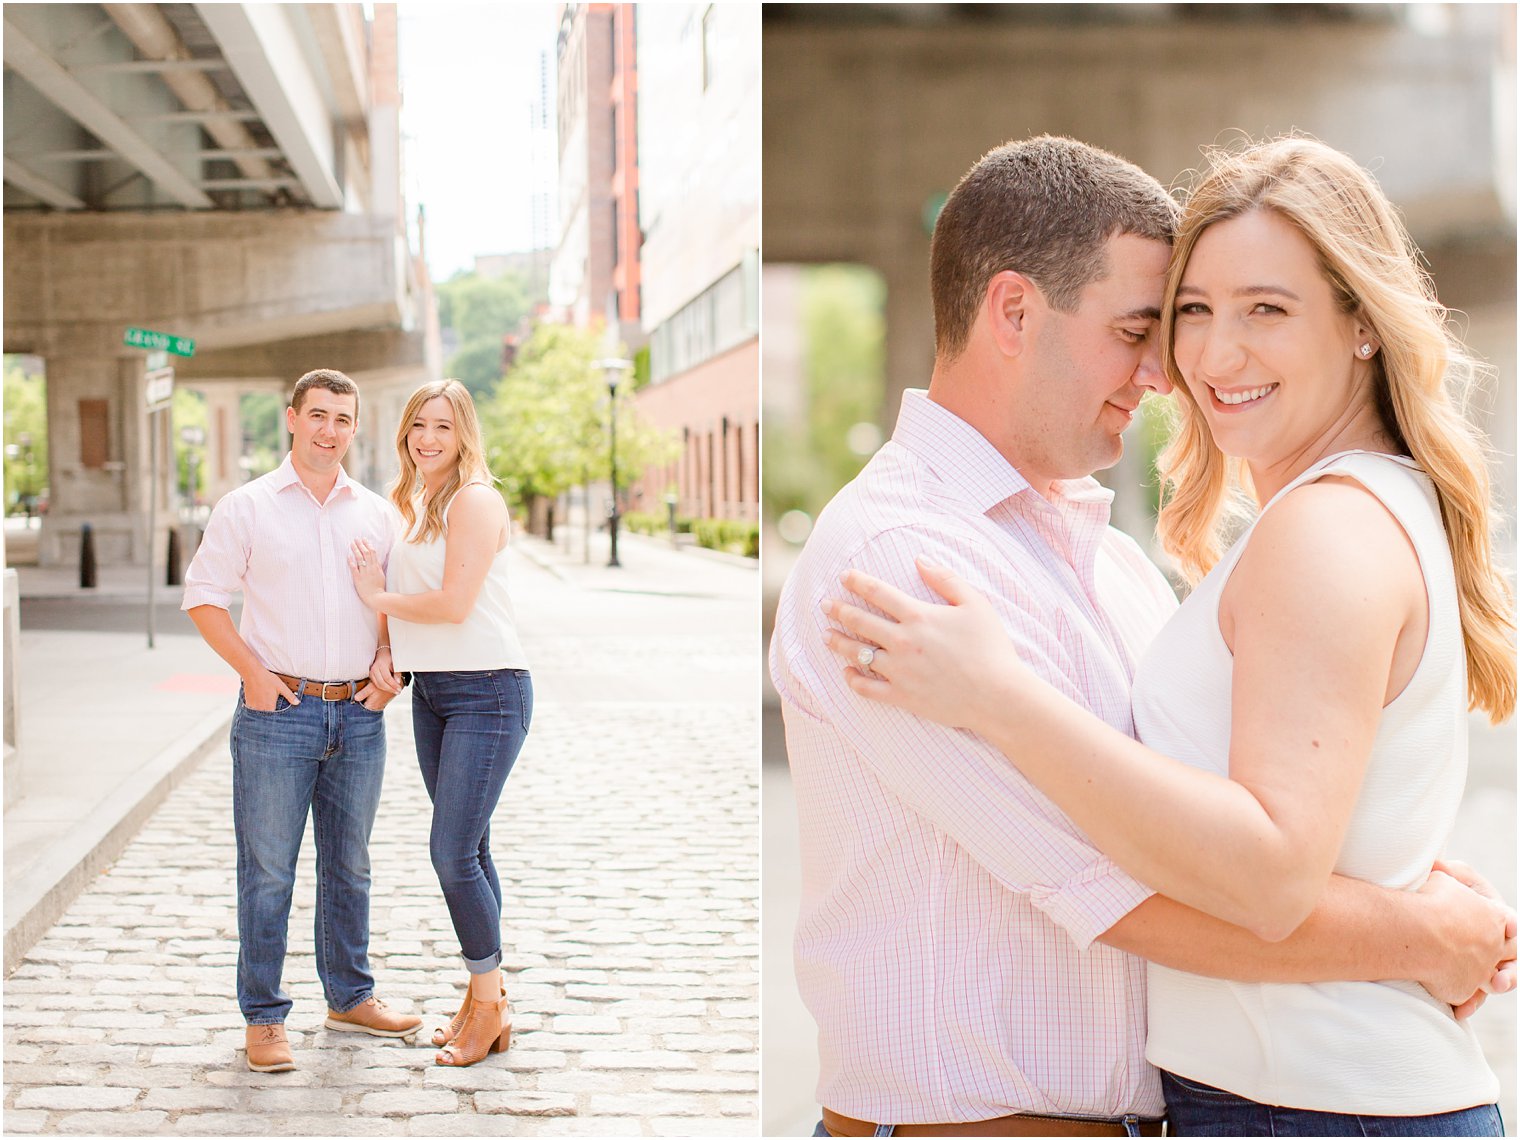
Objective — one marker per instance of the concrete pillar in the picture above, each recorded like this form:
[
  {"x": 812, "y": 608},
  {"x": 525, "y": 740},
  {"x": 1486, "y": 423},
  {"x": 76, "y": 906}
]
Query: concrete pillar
[
  {"x": 12, "y": 586},
  {"x": 224, "y": 439},
  {"x": 909, "y": 333},
  {"x": 93, "y": 416}
]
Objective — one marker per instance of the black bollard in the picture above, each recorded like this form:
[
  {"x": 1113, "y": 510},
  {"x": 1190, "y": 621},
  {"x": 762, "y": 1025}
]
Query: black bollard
[
  {"x": 175, "y": 576},
  {"x": 86, "y": 557}
]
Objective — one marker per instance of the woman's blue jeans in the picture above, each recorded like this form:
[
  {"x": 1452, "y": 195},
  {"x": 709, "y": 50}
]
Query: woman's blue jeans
[
  {"x": 326, "y": 758},
  {"x": 469, "y": 729},
  {"x": 1196, "y": 1109}
]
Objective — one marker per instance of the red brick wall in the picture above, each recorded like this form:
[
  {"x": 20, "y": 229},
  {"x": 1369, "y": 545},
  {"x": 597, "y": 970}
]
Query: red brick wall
[{"x": 718, "y": 472}]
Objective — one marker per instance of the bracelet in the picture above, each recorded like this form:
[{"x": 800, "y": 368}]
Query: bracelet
[{"x": 378, "y": 648}]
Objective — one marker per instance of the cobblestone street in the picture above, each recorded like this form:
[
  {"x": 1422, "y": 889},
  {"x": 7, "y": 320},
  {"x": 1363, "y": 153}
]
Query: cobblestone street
[{"x": 627, "y": 841}]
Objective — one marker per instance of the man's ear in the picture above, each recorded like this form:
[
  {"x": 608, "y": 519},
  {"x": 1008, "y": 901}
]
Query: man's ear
[{"x": 1009, "y": 299}]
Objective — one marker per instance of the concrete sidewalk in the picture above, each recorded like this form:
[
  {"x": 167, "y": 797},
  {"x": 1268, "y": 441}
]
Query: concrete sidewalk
[{"x": 107, "y": 727}]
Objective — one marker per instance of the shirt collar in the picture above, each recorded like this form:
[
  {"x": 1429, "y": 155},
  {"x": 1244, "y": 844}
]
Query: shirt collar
[
  {"x": 964, "y": 459},
  {"x": 285, "y": 477}
]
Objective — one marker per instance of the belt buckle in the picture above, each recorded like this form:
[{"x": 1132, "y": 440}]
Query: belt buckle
[{"x": 344, "y": 685}]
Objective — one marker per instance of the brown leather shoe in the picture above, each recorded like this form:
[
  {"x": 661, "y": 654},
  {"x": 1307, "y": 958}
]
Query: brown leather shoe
[
  {"x": 372, "y": 1016},
  {"x": 268, "y": 1050}
]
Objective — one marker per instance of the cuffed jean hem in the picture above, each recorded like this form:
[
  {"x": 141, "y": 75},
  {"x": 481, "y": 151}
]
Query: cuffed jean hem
[
  {"x": 355, "y": 1004},
  {"x": 266, "y": 1022},
  {"x": 483, "y": 965}
]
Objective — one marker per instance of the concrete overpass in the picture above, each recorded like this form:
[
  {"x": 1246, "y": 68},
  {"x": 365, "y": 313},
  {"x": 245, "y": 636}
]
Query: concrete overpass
[
  {"x": 873, "y": 111},
  {"x": 224, "y": 172}
]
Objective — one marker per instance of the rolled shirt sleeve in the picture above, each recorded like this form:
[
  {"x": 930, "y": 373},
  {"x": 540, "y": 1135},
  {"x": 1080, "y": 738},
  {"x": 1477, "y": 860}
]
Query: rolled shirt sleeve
[{"x": 216, "y": 572}]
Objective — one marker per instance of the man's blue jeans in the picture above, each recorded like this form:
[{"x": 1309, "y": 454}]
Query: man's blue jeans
[
  {"x": 1197, "y": 1109},
  {"x": 469, "y": 728},
  {"x": 326, "y": 758}
]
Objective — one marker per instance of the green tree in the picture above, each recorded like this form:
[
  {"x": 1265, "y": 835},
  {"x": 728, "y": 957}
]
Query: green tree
[
  {"x": 477, "y": 365},
  {"x": 26, "y": 442},
  {"x": 844, "y": 333},
  {"x": 263, "y": 418},
  {"x": 480, "y": 307},
  {"x": 547, "y": 427},
  {"x": 481, "y": 311},
  {"x": 189, "y": 411}
]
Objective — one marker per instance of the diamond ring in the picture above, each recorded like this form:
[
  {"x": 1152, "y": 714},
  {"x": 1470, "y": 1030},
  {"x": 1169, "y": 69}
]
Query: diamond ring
[{"x": 865, "y": 656}]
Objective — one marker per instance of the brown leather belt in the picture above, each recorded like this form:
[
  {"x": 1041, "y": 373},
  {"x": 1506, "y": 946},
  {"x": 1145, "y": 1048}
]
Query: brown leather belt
[
  {"x": 1022, "y": 1124},
  {"x": 327, "y": 690}
]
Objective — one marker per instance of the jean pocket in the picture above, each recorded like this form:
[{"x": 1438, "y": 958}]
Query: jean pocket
[
  {"x": 525, "y": 695},
  {"x": 280, "y": 705}
]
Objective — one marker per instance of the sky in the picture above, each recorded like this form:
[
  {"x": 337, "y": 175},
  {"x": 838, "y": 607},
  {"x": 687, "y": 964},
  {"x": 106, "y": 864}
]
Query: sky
[{"x": 468, "y": 75}]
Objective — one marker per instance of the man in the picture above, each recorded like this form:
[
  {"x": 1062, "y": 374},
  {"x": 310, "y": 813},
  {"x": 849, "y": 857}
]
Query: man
[
  {"x": 307, "y": 735},
  {"x": 968, "y": 956}
]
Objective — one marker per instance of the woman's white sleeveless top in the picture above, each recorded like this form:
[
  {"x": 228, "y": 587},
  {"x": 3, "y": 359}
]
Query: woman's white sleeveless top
[
  {"x": 486, "y": 639},
  {"x": 1387, "y": 1048}
]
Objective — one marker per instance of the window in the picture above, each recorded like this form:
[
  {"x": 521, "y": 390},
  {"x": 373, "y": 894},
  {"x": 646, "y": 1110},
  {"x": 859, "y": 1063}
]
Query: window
[
  {"x": 723, "y": 315},
  {"x": 94, "y": 433}
]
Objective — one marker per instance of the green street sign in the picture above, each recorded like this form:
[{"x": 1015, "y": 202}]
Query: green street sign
[{"x": 160, "y": 341}]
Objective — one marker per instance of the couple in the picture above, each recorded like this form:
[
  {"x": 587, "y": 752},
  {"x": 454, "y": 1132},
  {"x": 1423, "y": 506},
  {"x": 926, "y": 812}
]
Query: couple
[
  {"x": 323, "y": 646},
  {"x": 1249, "y": 791}
]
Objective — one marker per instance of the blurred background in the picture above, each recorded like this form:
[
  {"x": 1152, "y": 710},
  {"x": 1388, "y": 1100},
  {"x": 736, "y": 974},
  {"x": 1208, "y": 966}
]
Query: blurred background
[{"x": 873, "y": 112}]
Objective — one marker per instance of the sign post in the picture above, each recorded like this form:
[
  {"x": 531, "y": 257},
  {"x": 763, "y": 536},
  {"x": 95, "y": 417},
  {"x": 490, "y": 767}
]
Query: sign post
[{"x": 158, "y": 395}]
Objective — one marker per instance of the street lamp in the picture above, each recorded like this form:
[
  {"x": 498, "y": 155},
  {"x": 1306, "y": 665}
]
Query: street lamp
[{"x": 613, "y": 369}]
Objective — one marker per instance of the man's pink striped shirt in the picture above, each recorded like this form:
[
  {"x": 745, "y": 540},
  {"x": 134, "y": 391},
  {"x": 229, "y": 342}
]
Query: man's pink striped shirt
[
  {"x": 945, "y": 944},
  {"x": 288, "y": 555}
]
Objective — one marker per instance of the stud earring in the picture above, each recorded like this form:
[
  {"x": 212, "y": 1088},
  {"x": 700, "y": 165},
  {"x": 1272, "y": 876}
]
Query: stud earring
[{"x": 1366, "y": 350}]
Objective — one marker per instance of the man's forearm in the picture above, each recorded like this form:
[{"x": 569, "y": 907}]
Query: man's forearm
[
  {"x": 1357, "y": 933},
  {"x": 216, "y": 628}
]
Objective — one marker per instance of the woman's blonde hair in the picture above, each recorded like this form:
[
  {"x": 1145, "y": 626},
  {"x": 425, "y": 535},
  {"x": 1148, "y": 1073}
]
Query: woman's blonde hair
[
  {"x": 1421, "y": 378},
  {"x": 472, "y": 466}
]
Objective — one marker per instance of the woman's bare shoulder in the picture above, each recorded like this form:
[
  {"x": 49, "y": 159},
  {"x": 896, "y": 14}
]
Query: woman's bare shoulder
[{"x": 1326, "y": 545}]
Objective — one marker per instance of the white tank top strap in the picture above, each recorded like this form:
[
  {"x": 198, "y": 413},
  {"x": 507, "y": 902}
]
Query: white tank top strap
[
  {"x": 455, "y": 495},
  {"x": 1403, "y": 488}
]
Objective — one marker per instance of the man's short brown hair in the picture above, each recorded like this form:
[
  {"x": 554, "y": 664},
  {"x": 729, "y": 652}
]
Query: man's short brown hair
[
  {"x": 329, "y": 378},
  {"x": 1044, "y": 207}
]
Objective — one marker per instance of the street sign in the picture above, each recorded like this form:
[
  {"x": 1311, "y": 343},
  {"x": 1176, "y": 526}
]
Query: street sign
[
  {"x": 166, "y": 342},
  {"x": 160, "y": 388}
]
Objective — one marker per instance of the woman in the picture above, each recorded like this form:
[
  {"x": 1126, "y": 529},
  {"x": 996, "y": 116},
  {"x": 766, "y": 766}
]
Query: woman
[
  {"x": 451, "y": 626},
  {"x": 1313, "y": 686}
]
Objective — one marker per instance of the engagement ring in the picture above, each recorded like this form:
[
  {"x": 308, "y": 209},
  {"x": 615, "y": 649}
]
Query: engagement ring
[{"x": 865, "y": 657}]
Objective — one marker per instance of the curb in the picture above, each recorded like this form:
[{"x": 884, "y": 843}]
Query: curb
[
  {"x": 532, "y": 550},
  {"x": 38, "y": 898},
  {"x": 532, "y": 554}
]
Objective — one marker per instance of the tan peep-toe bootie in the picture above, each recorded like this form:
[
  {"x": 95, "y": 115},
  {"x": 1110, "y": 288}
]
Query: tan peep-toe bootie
[
  {"x": 447, "y": 1033},
  {"x": 450, "y": 1031},
  {"x": 487, "y": 1029}
]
